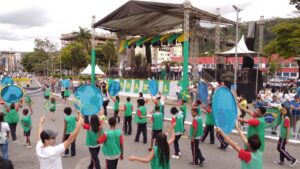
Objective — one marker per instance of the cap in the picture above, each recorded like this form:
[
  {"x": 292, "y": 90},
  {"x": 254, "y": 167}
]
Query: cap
[
  {"x": 296, "y": 96},
  {"x": 48, "y": 134}
]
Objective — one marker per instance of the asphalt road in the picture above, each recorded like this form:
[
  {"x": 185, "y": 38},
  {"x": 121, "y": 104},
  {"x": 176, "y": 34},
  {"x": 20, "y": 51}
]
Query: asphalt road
[{"x": 24, "y": 158}]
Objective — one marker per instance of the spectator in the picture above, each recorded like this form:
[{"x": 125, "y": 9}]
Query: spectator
[
  {"x": 171, "y": 72},
  {"x": 295, "y": 106},
  {"x": 200, "y": 69},
  {"x": 4, "y": 131},
  {"x": 168, "y": 71}
]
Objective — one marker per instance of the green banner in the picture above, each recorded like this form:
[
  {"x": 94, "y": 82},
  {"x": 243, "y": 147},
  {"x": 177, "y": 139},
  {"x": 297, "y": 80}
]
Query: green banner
[
  {"x": 136, "y": 88},
  {"x": 166, "y": 87},
  {"x": 145, "y": 86},
  {"x": 122, "y": 84},
  {"x": 128, "y": 86}
]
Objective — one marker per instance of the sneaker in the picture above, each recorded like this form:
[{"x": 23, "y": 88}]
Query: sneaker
[
  {"x": 179, "y": 153},
  {"x": 175, "y": 156},
  {"x": 193, "y": 164},
  {"x": 293, "y": 163},
  {"x": 202, "y": 162},
  {"x": 29, "y": 146},
  {"x": 279, "y": 162},
  {"x": 65, "y": 155}
]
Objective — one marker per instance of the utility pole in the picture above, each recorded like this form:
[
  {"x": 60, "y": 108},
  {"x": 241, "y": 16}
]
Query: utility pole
[{"x": 93, "y": 64}]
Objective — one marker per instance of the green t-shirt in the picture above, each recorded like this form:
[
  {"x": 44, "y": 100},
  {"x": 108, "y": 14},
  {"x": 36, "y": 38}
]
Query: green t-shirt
[
  {"x": 183, "y": 109},
  {"x": 209, "y": 121},
  {"x": 128, "y": 110},
  {"x": 47, "y": 92},
  {"x": 111, "y": 148},
  {"x": 179, "y": 127},
  {"x": 66, "y": 93},
  {"x": 52, "y": 106},
  {"x": 256, "y": 161},
  {"x": 199, "y": 110},
  {"x": 26, "y": 123},
  {"x": 199, "y": 131},
  {"x": 158, "y": 120},
  {"x": 116, "y": 105},
  {"x": 260, "y": 131},
  {"x": 71, "y": 123},
  {"x": 155, "y": 162},
  {"x": 12, "y": 117},
  {"x": 138, "y": 119},
  {"x": 283, "y": 129},
  {"x": 92, "y": 138}
]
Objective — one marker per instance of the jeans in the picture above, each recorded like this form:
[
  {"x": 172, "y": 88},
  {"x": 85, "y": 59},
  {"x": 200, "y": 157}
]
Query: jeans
[
  {"x": 127, "y": 125},
  {"x": 95, "y": 163},
  {"x": 142, "y": 128},
  {"x": 209, "y": 129},
  {"x": 196, "y": 152},
  {"x": 13, "y": 128},
  {"x": 176, "y": 144},
  {"x": 73, "y": 146},
  {"x": 112, "y": 164},
  {"x": 4, "y": 150}
]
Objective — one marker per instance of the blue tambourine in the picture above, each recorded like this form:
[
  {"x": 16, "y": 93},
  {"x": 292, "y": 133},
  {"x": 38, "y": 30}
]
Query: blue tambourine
[
  {"x": 153, "y": 87},
  {"x": 7, "y": 81},
  {"x": 114, "y": 88},
  {"x": 224, "y": 109},
  {"x": 203, "y": 92},
  {"x": 65, "y": 83},
  {"x": 88, "y": 100},
  {"x": 12, "y": 94}
]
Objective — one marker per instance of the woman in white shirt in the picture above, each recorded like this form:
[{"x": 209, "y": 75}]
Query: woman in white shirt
[{"x": 4, "y": 135}]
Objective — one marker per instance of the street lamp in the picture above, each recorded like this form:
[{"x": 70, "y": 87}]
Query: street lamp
[{"x": 236, "y": 43}]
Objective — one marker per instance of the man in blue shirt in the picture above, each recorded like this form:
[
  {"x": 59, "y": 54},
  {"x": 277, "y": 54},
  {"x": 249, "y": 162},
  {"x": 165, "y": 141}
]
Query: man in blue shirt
[{"x": 295, "y": 107}]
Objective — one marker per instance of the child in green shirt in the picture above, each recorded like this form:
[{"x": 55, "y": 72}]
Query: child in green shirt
[
  {"x": 157, "y": 120},
  {"x": 116, "y": 107},
  {"x": 177, "y": 124},
  {"x": 128, "y": 108},
  {"x": 69, "y": 127},
  {"x": 26, "y": 125},
  {"x": 47, "y": 92},
  {"x": 52, "y": 107},
  {"x": 252, "y": 157}
]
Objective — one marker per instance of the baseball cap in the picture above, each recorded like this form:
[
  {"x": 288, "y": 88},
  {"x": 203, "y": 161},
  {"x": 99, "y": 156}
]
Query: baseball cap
[{"x": 48, "y": 134}]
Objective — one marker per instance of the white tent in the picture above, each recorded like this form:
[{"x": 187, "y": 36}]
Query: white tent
[
  {"x": 88, "y": 70},
  {"x": 241, "y": 49}
]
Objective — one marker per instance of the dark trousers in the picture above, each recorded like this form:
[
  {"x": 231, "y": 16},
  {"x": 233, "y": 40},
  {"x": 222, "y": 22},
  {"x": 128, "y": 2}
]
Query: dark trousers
[
  {"x": 282, "y": 151},
  {"x": 223, "y": 143},
  {"x": 13, "y": 128},
  {"x": 141, "y": 128},
  {"x": 176, "y": 144},
  {"x": 116, "y": 115},
  {"x": 127, "y": 125},
  {"x": 209, "y": 129},
  {"x": 197, "y": 155},
  {"x": 111, "y": 164},
  {"x": 95, "y": 163},
  {"x": 105, "y": 104},
  {"x": 73, "y": 146},
  {"x": 243, "y": 114}
]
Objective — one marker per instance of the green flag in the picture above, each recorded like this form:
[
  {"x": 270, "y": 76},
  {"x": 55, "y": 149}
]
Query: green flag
[
  {"x": 166, "y": 87},
  {"x": 145, "y": 86},
  {"x": 122, "y": 84},
  {"x": 128, "y": 86},
  {"x": 272, "y": 117},
  {"x": 136, "y": 86}
]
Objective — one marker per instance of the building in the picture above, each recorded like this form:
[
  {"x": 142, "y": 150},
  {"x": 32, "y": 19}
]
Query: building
[
  {"x": 100, "y": 38},
  {"x": 10, "y": 61}
]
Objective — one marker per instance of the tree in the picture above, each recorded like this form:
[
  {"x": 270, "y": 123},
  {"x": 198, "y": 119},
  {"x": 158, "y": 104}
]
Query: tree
[
  {"x": 296, "y": 3},
  {"x": 287, "y": 40},
  {"x": 84, "y": 37},
  {"x": 106, "y": 53}
]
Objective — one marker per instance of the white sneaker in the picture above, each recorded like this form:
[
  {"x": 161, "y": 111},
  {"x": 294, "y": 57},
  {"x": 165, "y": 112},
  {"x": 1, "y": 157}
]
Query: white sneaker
[
  {"x": 179, "y": 153},
  {"x": 29, "y": 146},
  {"x": 175, "y": 157}
]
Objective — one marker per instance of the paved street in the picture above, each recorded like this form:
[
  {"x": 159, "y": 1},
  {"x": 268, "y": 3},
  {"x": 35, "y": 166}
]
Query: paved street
[{"x": 26, "y": 159}]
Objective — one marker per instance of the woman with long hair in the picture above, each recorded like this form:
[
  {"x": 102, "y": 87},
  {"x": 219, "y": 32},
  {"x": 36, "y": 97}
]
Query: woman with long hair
[
  {"x": 92, "y": 135},
  {"x": 4, "y": 135},
  {"x": 160, "y": 154},
  {"x": 105, "y": 100}
]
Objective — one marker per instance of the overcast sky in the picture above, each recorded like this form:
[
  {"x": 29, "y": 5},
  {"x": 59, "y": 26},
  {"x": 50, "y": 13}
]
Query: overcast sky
[{"x": 21, "y": 21}]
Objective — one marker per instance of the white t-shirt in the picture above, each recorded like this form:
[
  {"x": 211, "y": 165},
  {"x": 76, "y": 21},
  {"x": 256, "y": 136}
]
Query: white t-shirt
[
  {"x": 4, "y": 128},
  {"x": 75, "y": 83},
  {"x": 200, "y": 67},
  {"x": 50, "y": 157},
  {"x": 190, "y": 68}
]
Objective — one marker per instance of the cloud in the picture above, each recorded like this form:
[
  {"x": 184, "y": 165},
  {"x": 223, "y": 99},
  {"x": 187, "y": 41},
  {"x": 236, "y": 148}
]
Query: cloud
[{"x": 26, "y": 17}]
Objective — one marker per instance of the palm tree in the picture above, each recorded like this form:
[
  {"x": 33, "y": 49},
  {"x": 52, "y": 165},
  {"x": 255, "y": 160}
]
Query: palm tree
[{"x": 84, "y": 37}]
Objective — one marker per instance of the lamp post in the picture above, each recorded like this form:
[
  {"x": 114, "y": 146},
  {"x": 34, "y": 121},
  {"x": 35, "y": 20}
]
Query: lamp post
[
  {"x": 93, "y": 51},
  {"x": 236, "y": 43}
]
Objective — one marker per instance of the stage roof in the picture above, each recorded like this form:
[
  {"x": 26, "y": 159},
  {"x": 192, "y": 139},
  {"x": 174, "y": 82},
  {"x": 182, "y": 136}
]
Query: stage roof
[{"x": 151, "y": 18}]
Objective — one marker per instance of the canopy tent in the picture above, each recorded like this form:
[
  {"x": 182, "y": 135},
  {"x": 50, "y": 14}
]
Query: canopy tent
[
  {"x": 151, "y": 18},
  {"x": 242, "y": 49},
  {"x": 88, "y": 70}
]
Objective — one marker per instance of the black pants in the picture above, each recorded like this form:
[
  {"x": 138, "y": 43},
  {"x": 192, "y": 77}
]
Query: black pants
[
  {"x": 111, "y": 164},
  {"x": 127, "y": 125},
  {"x": 95, "y": 163},
  {"x": 141, "y": 128},
  {"x": 282, "y": 151},
  {"x": 13, "y": 128},
  {"x": 116, "y": 115},
  {"x": 223, "y": 143},
  {"x": 196, "y": 152},
  {"x": 73, "y": 146},
  {"x": 243, "y": 114},
  {"x": 209, "y": 129},
  {"x": 105, "y": 104},
  {"x": 176, "y": 144}
]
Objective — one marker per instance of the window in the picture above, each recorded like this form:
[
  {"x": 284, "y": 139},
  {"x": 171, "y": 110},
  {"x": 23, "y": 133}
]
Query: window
[
  {"x": 286, "y": 65},
  {"x": 294, "y": 64},
  {"x": 278, "y": 74},
  {"x": 293, "y": 74},
  {"x": 286, "y": 74}
]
